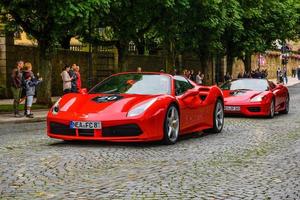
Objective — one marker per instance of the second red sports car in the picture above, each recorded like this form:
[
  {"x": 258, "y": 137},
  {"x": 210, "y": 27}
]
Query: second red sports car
[
  {"x": 255, "y": 97},
  {"x": 137, "y": 107}
]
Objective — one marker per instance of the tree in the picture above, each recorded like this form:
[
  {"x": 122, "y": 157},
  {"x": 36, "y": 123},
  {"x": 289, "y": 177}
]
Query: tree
[
  {"x": 257, "y": 25},
  {"x": 48, "y": 22}
]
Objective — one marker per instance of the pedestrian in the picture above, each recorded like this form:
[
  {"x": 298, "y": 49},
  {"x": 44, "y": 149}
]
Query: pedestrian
[
  {"x": 78, "y": 81},
  {"x": 192, "y": 75},
  {"x": 227, "y": 77},
  {"x": 284, "y": 75},
  {"x": 66, "y": 79},
  {"x": 72, "y": 74},
  {"x": 202, "y": 78},
  {"x": 174, "y": 72},
  {"x": 298, "y": 72},
  {"x": 16, "y": 86},
  {"x": 293, "y": 72},
  {"x": 198, "y": 78},
  {"x": 279, "y": 75},
  {"x": 30, "y": 85},
  {"x": 27, "y": 70}
]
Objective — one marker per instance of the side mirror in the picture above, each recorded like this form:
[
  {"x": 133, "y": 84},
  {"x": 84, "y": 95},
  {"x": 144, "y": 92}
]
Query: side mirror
[{"x": 83, "y": 91}]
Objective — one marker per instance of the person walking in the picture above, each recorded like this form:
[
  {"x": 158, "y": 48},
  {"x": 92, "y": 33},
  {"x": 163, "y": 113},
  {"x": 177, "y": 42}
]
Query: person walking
[
  {"x": 66, "y": 79},
  {"x": 16, "y": 86},
  {"x": 78, "y": 81},
  {"x": 30, "y": 85}
]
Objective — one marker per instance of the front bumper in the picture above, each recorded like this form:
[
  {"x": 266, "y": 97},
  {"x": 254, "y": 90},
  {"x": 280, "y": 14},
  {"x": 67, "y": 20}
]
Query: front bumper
[
  {"x": 123, "y": 130},
  {"x": 251, "y": 109}
]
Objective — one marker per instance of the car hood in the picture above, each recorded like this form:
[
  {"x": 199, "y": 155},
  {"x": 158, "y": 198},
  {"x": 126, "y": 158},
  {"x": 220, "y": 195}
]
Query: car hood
[
  {"x": 237, "y": 96},
  {"x": 102, "y": 103}
]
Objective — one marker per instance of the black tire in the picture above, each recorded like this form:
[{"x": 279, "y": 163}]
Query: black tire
[
  {"x": 218, "y": 118},
  {"x": 171, "y": 125},
  {"x": 287, "y": 106},
  {"x": 272, "y": 109}
]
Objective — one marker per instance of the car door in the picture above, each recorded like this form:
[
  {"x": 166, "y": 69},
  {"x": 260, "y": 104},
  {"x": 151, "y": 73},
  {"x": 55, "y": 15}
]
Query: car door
[
  {"x": 189, "y": 101},
  {"x": 278, "y": 93}
]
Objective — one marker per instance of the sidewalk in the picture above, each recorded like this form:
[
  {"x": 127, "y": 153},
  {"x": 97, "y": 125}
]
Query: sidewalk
[
  {"x": 40, "y": 115},
  {"x": 291, "y": 81}
]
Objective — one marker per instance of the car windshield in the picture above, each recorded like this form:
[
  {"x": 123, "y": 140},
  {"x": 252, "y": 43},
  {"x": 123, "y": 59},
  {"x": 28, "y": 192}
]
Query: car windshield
[
  {"x": 132, "y": 83},
  {"x": 246, "y": 84}
]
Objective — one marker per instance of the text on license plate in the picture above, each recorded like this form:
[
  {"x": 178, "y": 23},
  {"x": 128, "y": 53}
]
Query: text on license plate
[
  {"x": 85, "y": 125},
  {"x": 232, "y": 108}
]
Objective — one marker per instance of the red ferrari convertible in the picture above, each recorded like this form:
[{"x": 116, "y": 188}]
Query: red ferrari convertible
[
  {"x": 255, "y": 97},
  {"x": 137, "y": 107}
]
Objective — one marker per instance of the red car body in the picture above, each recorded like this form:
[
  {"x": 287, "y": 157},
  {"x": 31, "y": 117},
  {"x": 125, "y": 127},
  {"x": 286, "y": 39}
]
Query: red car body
[
  {"x": 254, "y": 102},
  {"x": 195, "y": 106}
]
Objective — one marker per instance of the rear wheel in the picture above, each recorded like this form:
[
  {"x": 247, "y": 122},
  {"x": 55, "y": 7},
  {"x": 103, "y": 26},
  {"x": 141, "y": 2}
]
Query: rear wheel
[
  {"x": 171, "y": 125},
  {"x": 272, "y": 109},
  {"x": 218, "y": 118},
  {"x": 287, "y": 106}
]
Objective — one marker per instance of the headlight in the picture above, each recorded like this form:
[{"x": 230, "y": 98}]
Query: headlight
[
  {"x": 258, "y": 98},
  {"x": 140, "y": 109},
  {"x": 55, "y": 108}
]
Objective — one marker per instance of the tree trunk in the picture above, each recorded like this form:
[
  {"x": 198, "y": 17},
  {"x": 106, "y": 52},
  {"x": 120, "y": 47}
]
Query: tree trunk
[
  {"x": 140, "y": 45},
  {"x": 65, "y": 42},
  {"x": 44, "y": 89},
  {"x": 206, "y": 66},
  {"x": 247, "y": 62},
  {"x": 230, "y": 60},
  {"x": 122, "y": 56}
]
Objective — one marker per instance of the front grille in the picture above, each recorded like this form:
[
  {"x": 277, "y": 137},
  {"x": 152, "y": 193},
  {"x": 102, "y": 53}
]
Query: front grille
[
  {"x": 254, "y": 109},
  {"x": 121, "y": 131},
  {"x": 86, "y": 132},
  {"x": 61, "y": 129}
]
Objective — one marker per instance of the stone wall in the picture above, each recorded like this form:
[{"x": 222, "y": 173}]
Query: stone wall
[
  {"x": 102, "y": 65},
  {"x": 272, "y": 62},
  {"x": 106, "y": 63}
]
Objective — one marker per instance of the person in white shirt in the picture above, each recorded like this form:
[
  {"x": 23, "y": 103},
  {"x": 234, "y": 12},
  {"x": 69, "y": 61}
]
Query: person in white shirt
[{"x": 66, "y": 80}]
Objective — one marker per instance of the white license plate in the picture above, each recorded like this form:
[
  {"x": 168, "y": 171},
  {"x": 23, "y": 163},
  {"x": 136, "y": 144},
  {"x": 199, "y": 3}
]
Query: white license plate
[
  {"x": 232, "y": 108},
  {"x": 85, "y": 125}
]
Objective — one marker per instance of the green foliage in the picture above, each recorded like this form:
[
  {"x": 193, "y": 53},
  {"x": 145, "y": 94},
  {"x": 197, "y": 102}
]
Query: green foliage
[{"x": 49, "y": 20}]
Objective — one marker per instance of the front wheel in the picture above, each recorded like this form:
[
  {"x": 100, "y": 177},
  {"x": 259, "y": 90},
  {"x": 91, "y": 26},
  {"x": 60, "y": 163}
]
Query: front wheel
[
  {"x": 171, "y": 126},
  {"x": 287, "y": 106},
  {"x": 272, "y": 109},
  {"x": 218, "y": 118}
]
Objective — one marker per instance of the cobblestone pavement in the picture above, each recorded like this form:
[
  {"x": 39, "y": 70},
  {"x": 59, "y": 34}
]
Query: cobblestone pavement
[{"x": 251, "y": 159}]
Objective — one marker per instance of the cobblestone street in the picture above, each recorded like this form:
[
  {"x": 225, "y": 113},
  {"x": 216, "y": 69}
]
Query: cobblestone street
[{"x": 253, "y": 158}]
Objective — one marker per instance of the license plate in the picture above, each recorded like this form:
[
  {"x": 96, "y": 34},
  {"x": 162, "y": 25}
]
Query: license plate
[
  {"x": 232, "y": 108},
  {"x": 85, "y": 125}
]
